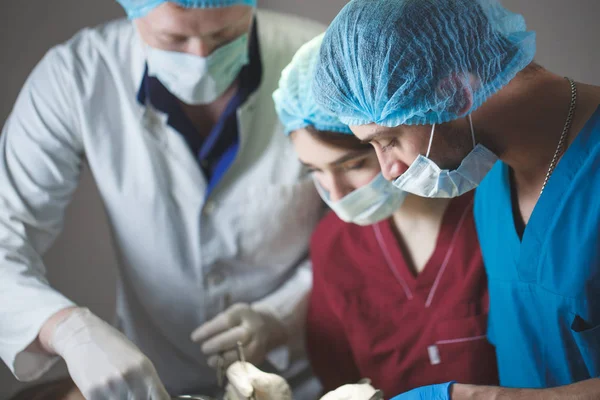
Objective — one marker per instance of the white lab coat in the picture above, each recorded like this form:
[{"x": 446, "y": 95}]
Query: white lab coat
[{"x": 182, "y": 259}]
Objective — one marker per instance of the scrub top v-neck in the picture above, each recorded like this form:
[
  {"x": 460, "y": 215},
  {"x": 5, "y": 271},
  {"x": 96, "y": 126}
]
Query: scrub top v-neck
[{"x": 545, "y": 288}]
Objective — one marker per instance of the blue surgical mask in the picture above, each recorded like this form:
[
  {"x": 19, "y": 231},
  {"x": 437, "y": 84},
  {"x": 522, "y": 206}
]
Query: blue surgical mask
[
  {"x": 424, "y": 178},
  {"x": 198, "y": 80},
  {"x": 367, "y": 205}
]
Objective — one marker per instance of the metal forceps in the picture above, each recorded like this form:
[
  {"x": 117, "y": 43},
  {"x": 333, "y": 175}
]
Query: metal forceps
[
  {"x": 220, "y": 371},
  {"x": 378, "y": 395},
  {"x": 242, "y": 359}
]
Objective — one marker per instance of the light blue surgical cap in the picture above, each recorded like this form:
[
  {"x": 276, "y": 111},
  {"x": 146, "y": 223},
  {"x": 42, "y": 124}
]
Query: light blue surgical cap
[
  {"x": 407, "y": 62},
  {"x": 294, "y": 101},
  {"x": 139, "y": 8}
]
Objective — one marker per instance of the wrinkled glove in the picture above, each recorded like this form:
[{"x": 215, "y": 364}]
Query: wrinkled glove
[
  {"x": 246, "y": 380},
  {"x": 258, "y": 331},
  {"x": 102, "y": 362},
  {"x": 431, "y": 392},
  {"x": 358, "y": 391}
]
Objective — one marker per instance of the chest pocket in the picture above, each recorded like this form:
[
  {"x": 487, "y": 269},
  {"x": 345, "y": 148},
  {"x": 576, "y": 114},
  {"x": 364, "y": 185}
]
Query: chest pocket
[
  {"x": 462, "y": 345},
  {"x": 276, "y": 222},
  {"x": 461, "y": 330},
  {"x": 587, "y": 339}
]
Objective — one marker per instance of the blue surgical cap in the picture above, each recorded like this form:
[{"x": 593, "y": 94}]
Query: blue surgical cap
[
  {"x": 294, "y": 101},
  {"x": 139, "y": 8},
  {"x": 408, "y": 62}
]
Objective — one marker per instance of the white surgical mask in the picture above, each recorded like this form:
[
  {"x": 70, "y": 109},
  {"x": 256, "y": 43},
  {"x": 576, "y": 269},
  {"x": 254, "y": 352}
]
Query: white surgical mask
[
  {"x": 198, "y": 80},
  {"x": 367, "y": 205},
  {"x": 424, "y": 178}
]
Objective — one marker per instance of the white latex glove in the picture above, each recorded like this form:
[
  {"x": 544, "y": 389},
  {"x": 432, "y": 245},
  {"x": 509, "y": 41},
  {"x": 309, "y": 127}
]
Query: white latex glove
[
  {"x": 245, "y": 379},
  {"x": 258, "y": 331},
  {"x": 358, "y": 391},
  {"x": 103, "y": 363}
]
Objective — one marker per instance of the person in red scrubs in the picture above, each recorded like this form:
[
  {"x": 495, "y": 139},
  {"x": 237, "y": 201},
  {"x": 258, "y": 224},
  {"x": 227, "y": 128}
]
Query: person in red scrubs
[
  {"x": 403, "y": 301},
  {"x": 399, "y": 289}
]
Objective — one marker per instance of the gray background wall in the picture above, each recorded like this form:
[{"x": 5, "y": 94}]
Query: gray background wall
[{"x": 82, "y": 261}]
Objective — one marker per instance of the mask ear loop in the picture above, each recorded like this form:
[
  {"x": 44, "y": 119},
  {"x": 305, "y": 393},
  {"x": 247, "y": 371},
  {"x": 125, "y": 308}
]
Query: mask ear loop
[
  {"x": 430, "y": 140},
  {"x": 472, "y": 130}
]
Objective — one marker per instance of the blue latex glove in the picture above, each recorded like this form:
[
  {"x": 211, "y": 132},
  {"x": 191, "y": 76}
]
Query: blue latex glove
[{"x": 431, "y": 392}]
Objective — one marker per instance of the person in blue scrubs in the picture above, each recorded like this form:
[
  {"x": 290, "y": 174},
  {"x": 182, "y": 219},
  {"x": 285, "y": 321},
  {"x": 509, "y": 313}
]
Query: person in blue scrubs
[{"x": 412, "y": 78}]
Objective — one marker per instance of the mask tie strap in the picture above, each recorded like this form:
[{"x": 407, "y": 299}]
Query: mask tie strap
[
  {"x": 472, "y": 130},
  {"x": 430, "y": 140}
]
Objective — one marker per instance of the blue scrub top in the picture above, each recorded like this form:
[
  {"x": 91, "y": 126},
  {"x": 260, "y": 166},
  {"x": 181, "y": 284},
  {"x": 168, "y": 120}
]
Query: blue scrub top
[{"x": 545, "y": 289}]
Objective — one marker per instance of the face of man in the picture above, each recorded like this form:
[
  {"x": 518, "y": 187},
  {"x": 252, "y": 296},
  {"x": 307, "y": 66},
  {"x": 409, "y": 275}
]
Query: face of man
[
  {"x": 398, "y": 147},
  {"x": 197, "y": 31}
]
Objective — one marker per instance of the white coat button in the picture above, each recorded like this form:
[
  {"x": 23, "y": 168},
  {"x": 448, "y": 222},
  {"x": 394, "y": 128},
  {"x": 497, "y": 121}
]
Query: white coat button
[
  {"x": 215, "y": 278},
  {"x": 209, "y": 208}
]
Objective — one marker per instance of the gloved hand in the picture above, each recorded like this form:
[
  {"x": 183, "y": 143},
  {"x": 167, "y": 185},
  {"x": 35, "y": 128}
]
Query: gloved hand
[
  {"x": 357, "y": 391},
  {"x": 102, "y": 362},
  {"x": 245, "y": 379},
  {"x": 258, "y": 331},
  {"x": 431, "y": 392}
]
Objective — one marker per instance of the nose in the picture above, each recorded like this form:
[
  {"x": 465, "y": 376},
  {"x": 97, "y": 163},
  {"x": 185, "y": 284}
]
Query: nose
[
  {"x": 336, "y": 187},
  {"x": 391, "y": 166},
  {"x": 385, "y": 163},
  {"x": 200, "y": 47},
  {"x": 386, "y": 172},
  {"x": 337, "y": 193}
]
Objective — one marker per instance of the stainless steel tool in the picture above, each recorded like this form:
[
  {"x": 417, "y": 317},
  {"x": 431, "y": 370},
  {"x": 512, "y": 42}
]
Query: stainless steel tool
[
  {"x": 378, "y": 395},
  {"x": 242, "y": 359},
  {"x": 220, "y": 371}
]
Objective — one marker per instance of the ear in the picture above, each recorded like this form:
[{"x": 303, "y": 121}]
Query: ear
[{"x": 459, "y": 87}]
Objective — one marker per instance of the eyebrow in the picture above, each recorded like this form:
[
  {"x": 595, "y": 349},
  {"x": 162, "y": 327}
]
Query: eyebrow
[
  {"x": 167, "y": 28},
  {"x": 349, "y": 156},
  {"x": 374, "y": 136},
  {"x": 166, "y": 31},
  {"x": 224, "y": 29},
  {"x": 342, "y": 159}
]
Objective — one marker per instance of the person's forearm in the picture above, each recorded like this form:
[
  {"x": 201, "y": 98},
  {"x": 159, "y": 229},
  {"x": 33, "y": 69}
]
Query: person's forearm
[{"x": 585, "y": 390}]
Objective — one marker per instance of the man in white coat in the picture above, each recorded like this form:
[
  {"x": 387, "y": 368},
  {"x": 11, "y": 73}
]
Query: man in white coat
[{"x": 209, "y": 209}]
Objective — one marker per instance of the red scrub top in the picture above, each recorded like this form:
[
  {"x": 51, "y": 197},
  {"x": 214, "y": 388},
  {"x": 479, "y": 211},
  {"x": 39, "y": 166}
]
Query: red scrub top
[{"x": 369, "y": 316}]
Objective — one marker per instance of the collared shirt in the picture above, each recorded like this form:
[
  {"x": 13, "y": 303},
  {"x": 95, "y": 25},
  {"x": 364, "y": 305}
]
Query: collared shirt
[{"x": 215, "y": 152}]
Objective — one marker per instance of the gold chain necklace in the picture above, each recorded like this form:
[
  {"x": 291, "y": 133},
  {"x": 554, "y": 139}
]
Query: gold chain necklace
[{"x": 563, "y": 135}]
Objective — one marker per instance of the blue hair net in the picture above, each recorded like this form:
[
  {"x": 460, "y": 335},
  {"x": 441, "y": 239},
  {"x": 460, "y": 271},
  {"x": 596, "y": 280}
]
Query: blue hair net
[
  {"x": 139, "y": 8},
  {"x": 408, "y": 62},
  {"x": 294, "y": 101}
]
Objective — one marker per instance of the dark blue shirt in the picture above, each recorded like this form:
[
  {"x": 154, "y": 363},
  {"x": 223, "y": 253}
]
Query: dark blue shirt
[{"x": 217, "y": 151}]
